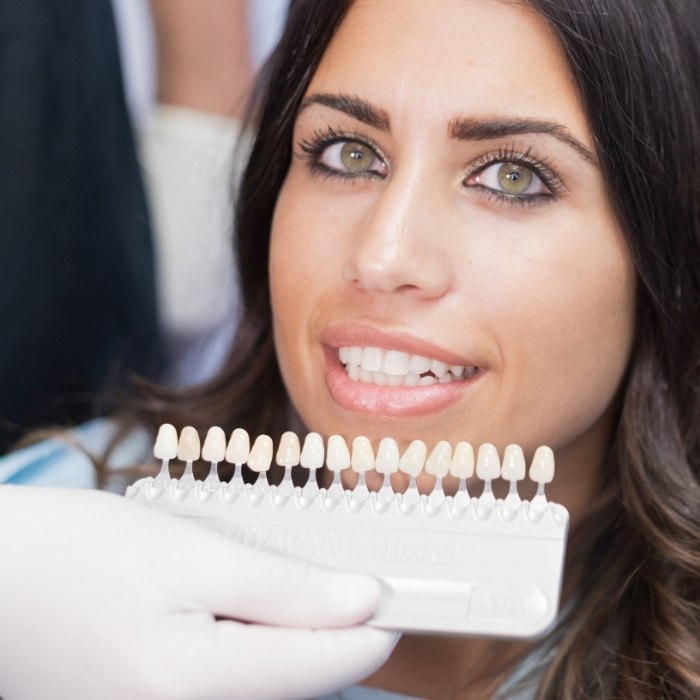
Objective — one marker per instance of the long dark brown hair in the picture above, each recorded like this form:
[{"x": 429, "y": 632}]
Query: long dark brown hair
[{"x": 632, "y": 629}]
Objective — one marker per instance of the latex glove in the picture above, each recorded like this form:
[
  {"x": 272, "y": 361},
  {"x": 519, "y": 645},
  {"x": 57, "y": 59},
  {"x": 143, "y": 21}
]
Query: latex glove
[{"x": 103, "y": 598}]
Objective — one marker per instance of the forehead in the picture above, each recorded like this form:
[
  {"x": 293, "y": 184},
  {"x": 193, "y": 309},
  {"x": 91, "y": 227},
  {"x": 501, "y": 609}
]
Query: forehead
[{"x": 431, "y": 59}]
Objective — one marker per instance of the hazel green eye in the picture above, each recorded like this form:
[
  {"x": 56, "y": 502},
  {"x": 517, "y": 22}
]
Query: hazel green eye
[
  {"x": 351, "y": 159},
  {"x": 356, "y": 157},
  {"x": 509, "y": 179},
  {"x": 514, "y": 178}
]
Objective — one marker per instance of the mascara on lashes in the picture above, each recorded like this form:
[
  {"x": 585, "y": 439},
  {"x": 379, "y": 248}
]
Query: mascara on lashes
[{"x": 311, "y": 150}]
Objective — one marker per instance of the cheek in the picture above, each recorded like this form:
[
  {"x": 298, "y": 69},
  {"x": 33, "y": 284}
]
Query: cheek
[
  {"x": 566, "y": 340},
  {"x": 287, "y": 277},
  {"x": 301, "y": 245},
  {"x": 298, "y": 273}
]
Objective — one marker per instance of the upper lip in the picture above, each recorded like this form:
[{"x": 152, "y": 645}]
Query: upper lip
[{"x": 349, "y": 334}]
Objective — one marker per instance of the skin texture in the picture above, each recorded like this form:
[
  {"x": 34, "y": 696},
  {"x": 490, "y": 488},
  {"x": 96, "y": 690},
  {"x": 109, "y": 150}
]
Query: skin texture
[{"x": 419, "y": 255}]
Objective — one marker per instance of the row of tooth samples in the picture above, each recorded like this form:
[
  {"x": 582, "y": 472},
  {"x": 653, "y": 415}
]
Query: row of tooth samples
[{"x": 442, "y": 461}]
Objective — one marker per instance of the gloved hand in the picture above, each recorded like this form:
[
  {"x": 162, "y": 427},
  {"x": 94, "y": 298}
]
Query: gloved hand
[{"x": 103, "y": 598}]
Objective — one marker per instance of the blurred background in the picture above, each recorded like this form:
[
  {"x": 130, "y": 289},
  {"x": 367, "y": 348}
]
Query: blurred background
[{"x": 119, "y": 121}]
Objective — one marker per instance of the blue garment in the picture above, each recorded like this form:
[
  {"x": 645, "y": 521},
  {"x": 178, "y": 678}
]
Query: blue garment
[{"x": 63, "y": 462}]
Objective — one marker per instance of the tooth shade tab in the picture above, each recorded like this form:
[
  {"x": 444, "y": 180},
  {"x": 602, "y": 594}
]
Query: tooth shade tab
[
  {"x": 214, "y": 448},
  {"x": 488, "y": 463},
  {"x": 188, "y": 448},
  {"x": 260, "y": 457},
  {"x": 166, "y": 442},
  {"x": 238, "y": 447},
  {"x": 313, "y": 452},
  {"x": 542, "y": 467},
  {"x": 438, "y": 463},
  {"x": 288, "y": 451},
  {"x": 413, "y": 458},
  {"x": 513, "y": 468},
  {"x": 387, "y": 461},
  {"x": 462, "y": 464},
  {"x": 337, "y": 454},
  {"x": 362, "y": 455}
]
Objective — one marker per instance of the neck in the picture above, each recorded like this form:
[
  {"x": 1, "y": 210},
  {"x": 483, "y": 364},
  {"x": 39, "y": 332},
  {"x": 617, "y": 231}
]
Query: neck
[{"x": 447, "y": 667}]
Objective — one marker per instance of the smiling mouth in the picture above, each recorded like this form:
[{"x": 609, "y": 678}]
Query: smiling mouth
[{"x": 371, "y": 365}]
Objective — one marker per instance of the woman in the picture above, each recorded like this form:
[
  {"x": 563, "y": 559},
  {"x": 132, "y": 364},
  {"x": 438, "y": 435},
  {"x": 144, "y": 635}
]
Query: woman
[{"x": 509, "y": 190}]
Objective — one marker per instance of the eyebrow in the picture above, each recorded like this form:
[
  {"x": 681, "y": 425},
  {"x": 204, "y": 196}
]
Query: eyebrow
[
  {"x": 478, "y": 130},
  {"x": 355, "y": 107},
  {"x": 460, "y": 128}
]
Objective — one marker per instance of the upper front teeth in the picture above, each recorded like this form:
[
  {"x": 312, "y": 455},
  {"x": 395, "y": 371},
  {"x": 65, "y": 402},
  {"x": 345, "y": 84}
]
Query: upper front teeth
[{"x": 385, "y": 366}]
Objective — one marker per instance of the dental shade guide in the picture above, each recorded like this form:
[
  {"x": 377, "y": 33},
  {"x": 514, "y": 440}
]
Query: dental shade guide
[
  {"x": 449, "y": 564},
  {"x": 214, "y": 451},
  {"x": 259, "y": 461},
  {"x": 513, "y": 470},
  {"x": 488, "y": 468},
  {"x": 337, "y": 460},
  {"x": 438, "y": 465},
  {"x": 237, "y": 452},
  {"x": 386, "y": 464},
  {"x": 311, "y": 459},
  {"x": 165, "y": 449},
  {"x": 411, "y": 463},
  {"x": 288, "y": 454},
  {"x": 188, "y": 451}
]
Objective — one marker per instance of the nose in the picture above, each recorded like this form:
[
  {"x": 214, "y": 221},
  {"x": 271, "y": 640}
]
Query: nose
[{"x": 398, "y": 246}]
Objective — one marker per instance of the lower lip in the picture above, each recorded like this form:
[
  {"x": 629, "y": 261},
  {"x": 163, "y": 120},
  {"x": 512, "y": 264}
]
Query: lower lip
[{"x": 390, "y": 401}]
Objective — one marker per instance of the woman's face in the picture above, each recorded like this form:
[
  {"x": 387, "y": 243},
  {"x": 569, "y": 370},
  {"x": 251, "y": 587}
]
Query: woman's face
[{"x": 444, "y": 209}]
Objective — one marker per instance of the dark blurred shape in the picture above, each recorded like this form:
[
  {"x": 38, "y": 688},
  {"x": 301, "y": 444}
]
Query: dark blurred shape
[{"x": 77, "y": 292}]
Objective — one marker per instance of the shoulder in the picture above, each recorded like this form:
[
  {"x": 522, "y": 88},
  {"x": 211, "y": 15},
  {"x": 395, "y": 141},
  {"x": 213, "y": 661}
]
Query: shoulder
[{"x": 64, "y": 460}]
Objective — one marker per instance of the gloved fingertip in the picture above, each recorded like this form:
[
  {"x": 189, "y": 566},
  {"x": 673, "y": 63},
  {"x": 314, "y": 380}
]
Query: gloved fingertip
[
  {"x": 384, "y": 640},
  {"x": 354, "y": 598}
]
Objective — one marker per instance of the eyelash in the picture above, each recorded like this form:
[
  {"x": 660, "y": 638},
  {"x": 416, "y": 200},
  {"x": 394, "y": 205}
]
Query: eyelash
[
  {"x": 538, "y": 166},
  {"x": 312, "y": 149}
]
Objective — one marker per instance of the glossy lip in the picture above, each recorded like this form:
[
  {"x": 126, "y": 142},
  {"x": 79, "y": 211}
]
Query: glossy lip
[{"x": 389, "y": 401}]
